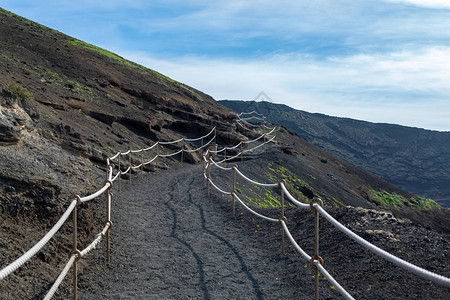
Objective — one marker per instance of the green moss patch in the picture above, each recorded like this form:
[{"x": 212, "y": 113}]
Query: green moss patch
[{"x": 385, "y": 199}]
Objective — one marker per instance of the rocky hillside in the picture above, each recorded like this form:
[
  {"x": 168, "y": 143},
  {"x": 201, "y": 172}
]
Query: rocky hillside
[
  {"x": 63, "y": 100},
  {"x": 66, "y": 105},
  {"x": 414, "y": 159}
]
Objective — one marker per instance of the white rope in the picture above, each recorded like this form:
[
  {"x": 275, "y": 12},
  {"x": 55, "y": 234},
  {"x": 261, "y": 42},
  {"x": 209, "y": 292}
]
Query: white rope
[
  {"x": 249, "y": 113},
  {"x": 217, "y": 151},
  {"x": 150, "y": 161},
  {"x": 115, "y": 156},
  {"x": 294, "y": 243},
  {"x": 380, "y": 252},
  {"x": 254, "y": 212},
  {"x": 292, "y": 199},
  {"x": 137, "y": 167},
  {"x": 273, "y": 129},
  {"x": 201, "y": 147},
  {"x": 125, "y": 153},
  {"x": 137, "y": 151},
  {"x": 171, "y": 142},
  {"x": 126, "y": 171},
  {"x": 220, "y": 167},
  {"x": 36, "y": 248},
  {"x": 232, "y": 157},
  {"x": 333, "y": 281},
  {"x": 235, "y": 146},
  {"x": 254, "y": 148},
  {"x": 60, "y": 278},
  {"x": 115, "y": 177},
  {"x": 172, "y": 154},
  {"x": 217, "y": 188},
  {"x": 202, "y": 137},
  {"x": 254, "y": 182},
  {"x": 272, "y": 139},
  {"x": 96, "y": 241},
  {"x": 151, "y": 147},
  {"x": 96, "y": 194},
  {"x": 245, "y": 122},
  {"x": 253, "y": 118},
  {"x": 220, "y": 161},
  {"x": 258, "y": 138}
]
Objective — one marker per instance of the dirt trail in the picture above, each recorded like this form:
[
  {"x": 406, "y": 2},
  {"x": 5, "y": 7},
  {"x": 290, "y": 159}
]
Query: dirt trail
[{"x": 170, "y": 241}]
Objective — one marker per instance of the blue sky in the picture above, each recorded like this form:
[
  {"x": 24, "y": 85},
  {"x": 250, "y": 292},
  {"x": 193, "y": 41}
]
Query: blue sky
[{"x": 377, "y": 60}]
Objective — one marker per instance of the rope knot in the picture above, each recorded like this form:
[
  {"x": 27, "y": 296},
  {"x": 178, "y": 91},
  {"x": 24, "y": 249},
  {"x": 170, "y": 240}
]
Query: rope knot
[
  {"x": 283, "y": 218},
  {"x": 77, "y": 253},
  {"x": 315, "y": 200},
  {"x": 314, "y": 258}
]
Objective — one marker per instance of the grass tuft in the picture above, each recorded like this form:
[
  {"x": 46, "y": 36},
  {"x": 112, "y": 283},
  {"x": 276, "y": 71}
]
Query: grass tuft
[{"x": 20, "y": 91}]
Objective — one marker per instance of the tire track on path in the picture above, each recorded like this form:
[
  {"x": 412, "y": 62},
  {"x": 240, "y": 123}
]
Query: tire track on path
[
  {"x": 171, "y": 241},
  {"x": 244, "y": 267},
  {"x": 173, "y": 234}
]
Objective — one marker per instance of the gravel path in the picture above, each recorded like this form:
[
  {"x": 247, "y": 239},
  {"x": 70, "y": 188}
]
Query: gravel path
[{"x": 170, "y": 241}]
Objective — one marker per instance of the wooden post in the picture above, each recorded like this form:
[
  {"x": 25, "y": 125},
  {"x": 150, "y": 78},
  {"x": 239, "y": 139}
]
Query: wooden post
[
  {"x": 182, "y": 151},
  {"x": 75, "y": 251},
  {"x": 131, "y": 166},
  {"x": 108, "y": 214},
  {"x": 157, "y": 155},
  {"x": 204, "y": 172},
  {"x": 233, "y": 193},
  {"x": 209, "y": 174},
  {"x": 242, "y": 153},
  {"x": 316, "y": 246},
  {"x": 282, "y": 214},
  {"x": 120, "y": 170},
  {"x": 74, "y": 248},
  {"x": 142, "y": 162}
]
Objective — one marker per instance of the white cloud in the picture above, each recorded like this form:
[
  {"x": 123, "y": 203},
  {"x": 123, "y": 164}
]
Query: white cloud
[
  {"x": 408, "y": 88},
  {"x": 425, "y": 3}
]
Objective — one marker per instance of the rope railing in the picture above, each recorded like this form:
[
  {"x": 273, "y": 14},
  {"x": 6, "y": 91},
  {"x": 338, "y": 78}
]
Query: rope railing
[
  {"x": 254, "y": 212},
  {"x": 240, "y": 145},
  {"x": 316, "y": 206},
  {"x": 253, "y": 112},
  {"x": 76, "y": 200},
  {"x": 36, "y": 248}
]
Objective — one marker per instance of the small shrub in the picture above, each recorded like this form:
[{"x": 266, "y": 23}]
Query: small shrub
[
  {"x": 75, "y": 104},
  {"x": 297, "y": 194},
  {"x": 27, "y": 72},
  {"x": 20, "y": 91}
]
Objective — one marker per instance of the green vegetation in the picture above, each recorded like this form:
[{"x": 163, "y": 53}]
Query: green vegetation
[
  {"x": 385, "y": 199},
  {"x": 112, "y": 56},
  {"x": 164, "y": 80},
  {"x": 79, "y": 89},
  {"x": 20, "y": 91},
  {"x": 50, "y": 74},
  {"x": 75, "y": 104},
  {"x": 423, "y": 203},
  {"x": 259, "y": 196}
]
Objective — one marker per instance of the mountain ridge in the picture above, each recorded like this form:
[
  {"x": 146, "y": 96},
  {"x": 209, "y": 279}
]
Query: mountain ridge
[{"x": 414, "y": 159}]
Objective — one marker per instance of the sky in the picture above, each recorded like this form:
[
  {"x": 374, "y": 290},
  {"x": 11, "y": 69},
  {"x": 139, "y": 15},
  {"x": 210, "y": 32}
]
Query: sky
[{"x": 382, "y": 61}]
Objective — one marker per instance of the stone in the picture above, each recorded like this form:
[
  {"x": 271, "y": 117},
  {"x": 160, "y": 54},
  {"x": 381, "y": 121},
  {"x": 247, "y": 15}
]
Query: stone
[{"x": 8, "y": 132}]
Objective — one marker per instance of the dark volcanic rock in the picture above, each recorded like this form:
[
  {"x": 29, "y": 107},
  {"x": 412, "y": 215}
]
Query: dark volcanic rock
[{"x": 8, "y": 132}]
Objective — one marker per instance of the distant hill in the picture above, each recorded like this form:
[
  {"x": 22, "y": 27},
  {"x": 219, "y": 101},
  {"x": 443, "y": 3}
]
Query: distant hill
[{"x": 414, "y": 159}]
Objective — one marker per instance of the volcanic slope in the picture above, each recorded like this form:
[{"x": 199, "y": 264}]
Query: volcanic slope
[
  {"x": 414, "y": 159},
  {"x": 66, "y": 105},
  {"x": 172, "y": 241}
]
